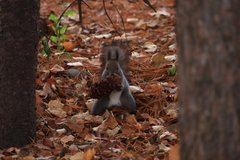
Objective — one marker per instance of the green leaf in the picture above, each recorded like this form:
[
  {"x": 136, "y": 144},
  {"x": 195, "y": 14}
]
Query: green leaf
[
  {"x": 54, "y": 29},
  {"x": 53, "y": 17},
  {"x": 45, "y": 54},
  {"x": 46, "y": 48},
  {"x": 54, "y": 39},
  {"x": 70, "y": 13},
  {"x": 44, "y": 41},
  {"x": 63, "y": 38},
  {"x": 64, "y": 3},
  {"x": 61, "y": 48},
  {"x": 172, "y": 71},
  {"x": 59, "y": 57},
  {"x": 57, "y": 25},
  {"x": 67, "y": 54},
  {"x": 63, "y": 29}
]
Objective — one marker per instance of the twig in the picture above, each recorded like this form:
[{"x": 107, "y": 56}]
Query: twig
[
  {"x": 86, "y": 4},
  {"x": 80, "y": 11},
  {"x": 104, "y": 7},
  {"x": 120, "y": 17},
  {"x": 65, "y": 10},
  {"x": 149, "y": 4}
]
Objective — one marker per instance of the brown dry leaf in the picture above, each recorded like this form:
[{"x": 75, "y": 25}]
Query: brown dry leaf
[
  {"x": 39, "y": 100},
  {"x": 158, "y": 58},
  {"x": 127, "y": 129},
  {"x": 153, "y": 89},
  {"x": 57, "y": 112},
  {"x": 45, "y": 91},
  {"x": 89, "y": 137},
  {"x": 38, "y": 81},
  {"x": 56, "y": 68},
  {"x": 112, "y": 132},
  {"x": 152, "y": 120},
  {"x": 48, "y": 142},
  {"x": 74, "y": 29},
  {"x": 71, "y": 100},
  {"x": 141, "y": 24},
  {"x": 77, "y": 156},
  {"x": 131, "y": 119},
  {"x": 68, "y": 109},
  {"x": 44, "y": 74},
  {"x": 88, "y": 155},
  {"x": 55, "y": 108},
  {"x": 75, "y": 126},
  {"x": 29, "y": 158},
  {"x": 68, "y": 46},
  {"x": 67, "y": 139},
  {"x": 51, "y": 81},
  {"x": 153, "y": 22},
  {"x": 138, "y": 126},
  {"x": 110, "y": 122},
  {"x": 174, "y": 152},
  {"x": 150, "y": 47},
  {"x": 55, "y": 103}
]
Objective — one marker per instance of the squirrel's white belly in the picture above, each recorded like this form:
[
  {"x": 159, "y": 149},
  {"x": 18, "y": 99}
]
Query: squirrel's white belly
[{"x": 115, "y": 98}]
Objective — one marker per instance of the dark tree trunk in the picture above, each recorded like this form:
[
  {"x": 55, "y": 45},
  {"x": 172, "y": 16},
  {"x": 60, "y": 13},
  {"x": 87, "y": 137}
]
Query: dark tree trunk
[
  {"x": 18, "y": 61},
  {"x": 208, "y": 37}
]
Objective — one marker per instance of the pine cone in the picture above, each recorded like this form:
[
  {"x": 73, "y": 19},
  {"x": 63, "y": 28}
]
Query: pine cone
[{"x": 106, "y": 86}]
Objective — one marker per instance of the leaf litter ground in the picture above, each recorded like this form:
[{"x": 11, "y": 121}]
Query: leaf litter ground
[{"x": 65, "y": 130}]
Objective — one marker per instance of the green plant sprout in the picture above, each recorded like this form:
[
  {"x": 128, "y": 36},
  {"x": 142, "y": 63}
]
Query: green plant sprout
[
  {"x": 58, "y": 31},
  {"x": 57, "y": 38},
  {"x": 172, "y": 71},
  {"x": 46, "y": 49}
]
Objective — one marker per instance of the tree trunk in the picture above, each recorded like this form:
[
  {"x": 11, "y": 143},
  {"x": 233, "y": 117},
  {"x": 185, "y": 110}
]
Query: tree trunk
[
  {"x": 18, "y": 61},
  {"x": 208, "y": 37}
]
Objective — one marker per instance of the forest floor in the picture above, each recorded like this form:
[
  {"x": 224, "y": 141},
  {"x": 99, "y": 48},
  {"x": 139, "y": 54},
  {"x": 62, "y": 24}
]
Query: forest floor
[{"x": 65, "y": 130}]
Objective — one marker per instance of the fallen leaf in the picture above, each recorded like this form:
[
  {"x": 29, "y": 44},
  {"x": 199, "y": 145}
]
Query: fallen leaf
[
  {"x": 57, "y": 112},
  {"x": 164, "y": 148},
  {"x": 56, "y": 68},
  {"x": 153, "y": 22},
  {"x": 77, "y": 156},
  {"x": 68, "y": 46},
  {"x": 88, "y": 155},
  {"x": 174, "y": 152},
  {"x": 45, "y": 91},
  {"x": 67, "y": 139},
  {"x": 29, "y": 158},
  {"x": 55, "y": 103},
  {"x": 150, "y": 47},
  {"x": 74, "y": 126},
  {"x": 127, "y": 129},
  {"x": 112, "y": 132},
  {"x": 110, "y": 122},
  {"x": 158, "y": 58}
]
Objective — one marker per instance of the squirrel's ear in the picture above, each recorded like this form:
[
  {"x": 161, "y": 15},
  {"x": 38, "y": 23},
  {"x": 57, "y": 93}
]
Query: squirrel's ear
[
  {"x": 117, "y": 54},
  {"x": 109, "y": 55}
]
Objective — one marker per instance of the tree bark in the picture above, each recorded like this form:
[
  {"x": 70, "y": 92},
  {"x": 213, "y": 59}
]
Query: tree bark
[
  {"x": 208, "y": 37},
  {"x": 18, "y": 64}
]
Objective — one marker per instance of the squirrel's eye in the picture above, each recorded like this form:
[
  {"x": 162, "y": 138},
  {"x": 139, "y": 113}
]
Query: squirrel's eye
[{"x": 107, "y": 68}]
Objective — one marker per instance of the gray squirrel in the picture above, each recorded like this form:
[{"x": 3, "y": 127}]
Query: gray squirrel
[{"x": 115, "y": 61}]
